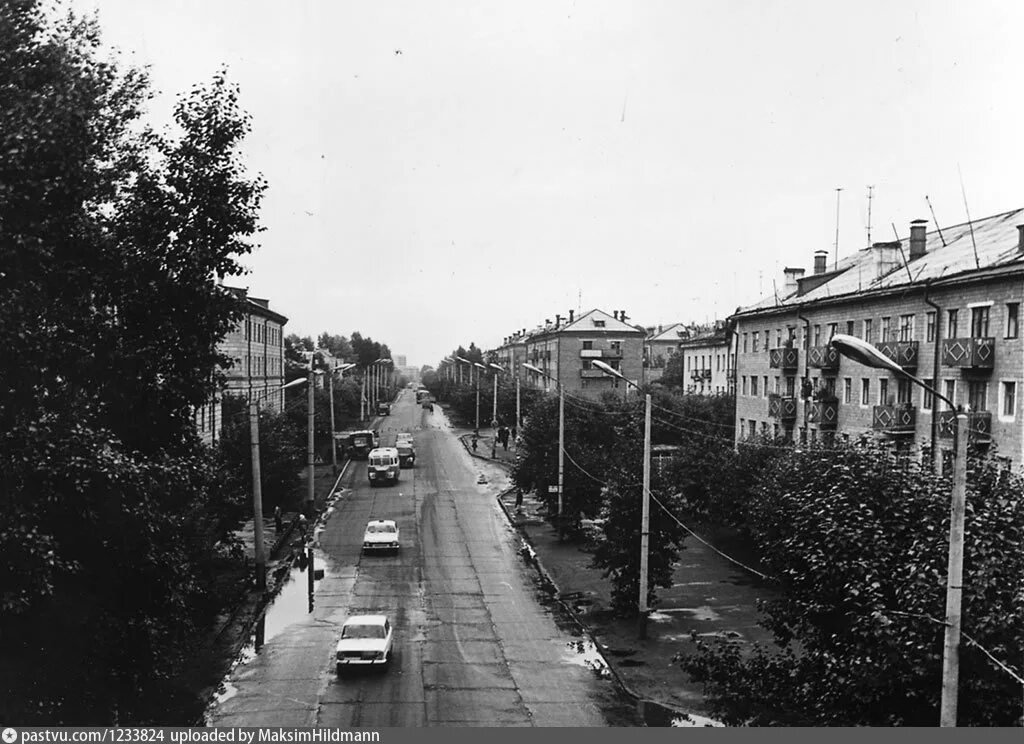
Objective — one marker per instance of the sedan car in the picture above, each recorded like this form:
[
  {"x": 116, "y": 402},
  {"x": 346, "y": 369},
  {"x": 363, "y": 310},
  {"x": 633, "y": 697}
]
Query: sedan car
[
  {"x": 381, "y": 534},
  {"x": 365, "y": 641}
]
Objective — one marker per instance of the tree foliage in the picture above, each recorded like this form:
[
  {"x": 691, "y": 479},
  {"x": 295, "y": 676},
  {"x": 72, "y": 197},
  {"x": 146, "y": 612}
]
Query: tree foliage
[
  {"x": 113, "y": 239},
  {"x": 857, "y": 541}
]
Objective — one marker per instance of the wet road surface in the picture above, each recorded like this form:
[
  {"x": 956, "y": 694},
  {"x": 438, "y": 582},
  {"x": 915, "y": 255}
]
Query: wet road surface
[{"x": 475, "y": 641}]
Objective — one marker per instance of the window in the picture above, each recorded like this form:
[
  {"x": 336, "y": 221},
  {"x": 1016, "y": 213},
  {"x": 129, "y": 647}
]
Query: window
[
  {"x": 817, "y": 335},
  {"x": 907, "y": 327},
  {"x": 743, "y": 426},
  {"x": 886, "y": 329},
  {"x": 753, "y": 385},
  {"x": 765, "y": 388},
  {"x": 952, "y": 316},
  {"x": 615, "y": 346},
  {"x": 778, "y": 337},
  {"x": 756, "y": 344},
  {"x": 588, "y": 344},
  {"x": 1012, "y": 319},
  {"x": 778, "y": 384},
  {"x": 950, "y": 392},
  {"x": 744, "y": 384},
  {"x": 977, "y": 395},
  {"x": 1009, "y": 398},
  {"x": 979, "y": 322},
  {"x": 904, "y": 391},
  {"x": 849, "y": 328},
  {"x": 833, "y": 329},
  {"x": 930, "y": 326},
  {"x": 790, "y": 387},
  {"x": 867, "y": 329},
  {"x": 791, "y": 333},
  {"x": 865, "y": 391},
  {"x": 744, "y": 343},
  {"x": 847, "y": 390},
  {"x": 883, "y": 391},
  {"x": 927, "y": 399},
  {"x": 599, "y": 324},
  {"x": 753, "y": 428}
]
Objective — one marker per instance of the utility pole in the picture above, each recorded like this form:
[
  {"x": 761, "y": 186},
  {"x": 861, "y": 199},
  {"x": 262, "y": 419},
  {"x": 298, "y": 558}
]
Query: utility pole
[
  {"x": 954, "y": 578},
  {"x": 519, "y": 420},
  {"x": 871, "y": 189},
  {"x": 310, "y": 491},
  {"x": 561, "y": 452},
  {"x": 645, "y": 518},
  {"x": 334, "y": 447},
  {"x": 257, "y": 497},
  {"x": 494, "y": 407},
  {"x": 837, "y": 228},
  {"x": 478, "y": 401}
]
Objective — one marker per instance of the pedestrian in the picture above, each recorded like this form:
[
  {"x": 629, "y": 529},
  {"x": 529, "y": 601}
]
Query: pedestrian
[
  {"x": 494, "y": 449},
  {"x": 278, "y": 519},
  {"x": 475, "y": 437},
  {"x": 503, "y": 437},
  {"x": 302, "y": 525},
  {"x": 519, "y": 498},
  {"x": 513, "y": 433}
]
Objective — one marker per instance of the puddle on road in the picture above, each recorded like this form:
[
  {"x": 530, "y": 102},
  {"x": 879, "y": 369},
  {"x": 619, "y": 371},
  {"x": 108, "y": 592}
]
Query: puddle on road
[
  {"x": 656, "y": 715},
  {"x": 584, "y": 653},
  {"x": 292, "y": 604},
  {"x": 698, "y": 613}
]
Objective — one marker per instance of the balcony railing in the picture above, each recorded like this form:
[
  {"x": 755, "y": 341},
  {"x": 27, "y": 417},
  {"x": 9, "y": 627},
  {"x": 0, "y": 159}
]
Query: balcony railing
[
  {"x": 904, "y": 353},
  {"x": 979, "y": 426},
  {"x": 786, "y": 357},
  {"x": 730, "y": 375},
  {"x": 969, "y": 353},
  {"x": 823, "y": 357},
  {"x": 782, "y": 408},
  {"x": 824, "y": 413},
  {"x": 590, "y": 353},
  {"x": 592, "y": 373},
  {"x": 898, "y": 419},
  {"x": 700, "y": 374}
]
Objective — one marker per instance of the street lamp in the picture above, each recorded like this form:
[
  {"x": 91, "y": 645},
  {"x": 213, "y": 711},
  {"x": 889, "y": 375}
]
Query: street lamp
[
  {"x": 480, "y": 366},
  {"x": 863, "y": 352},
  {"x": 494, "y": 401},
  {"x": 645, "y": 510},
  {"x": 465, "y": 361},
  {"x": 330, "y": 383},
  {"x": 561, "y": 434}
]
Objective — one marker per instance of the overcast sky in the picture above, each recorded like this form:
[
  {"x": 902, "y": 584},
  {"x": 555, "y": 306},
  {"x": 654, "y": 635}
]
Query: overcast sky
[{"x": 445, "y": 172}]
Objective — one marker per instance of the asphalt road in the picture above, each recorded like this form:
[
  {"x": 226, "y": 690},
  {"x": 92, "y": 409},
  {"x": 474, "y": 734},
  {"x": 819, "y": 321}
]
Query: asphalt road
[{"x": 474, "y": 642}]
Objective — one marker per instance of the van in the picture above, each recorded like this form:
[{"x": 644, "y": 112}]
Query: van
[
  {"x": 383, "y": 466},
  {"x": 361, "y": 443},
  {"x": 406, "y": 453}
]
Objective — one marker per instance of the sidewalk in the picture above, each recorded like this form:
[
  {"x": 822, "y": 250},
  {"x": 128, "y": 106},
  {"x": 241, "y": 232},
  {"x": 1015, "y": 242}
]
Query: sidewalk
[{"x": 710, "y": 596}]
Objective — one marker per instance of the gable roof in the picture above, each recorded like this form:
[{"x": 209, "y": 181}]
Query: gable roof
[
  {"x": 946, "y": 256},
  {"x": 599, "y": 321}
]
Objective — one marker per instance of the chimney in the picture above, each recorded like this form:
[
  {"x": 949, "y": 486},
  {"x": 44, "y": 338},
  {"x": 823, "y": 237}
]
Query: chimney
[
  {"x": 571, "y": 313},
  {"x": 820, "y": 261},
  {"x": 615, "y": 314},
  {"x": 558, "y": 321},
  {"x": 660, "y": 329},
  {"x": 622, "y": 315},
  {"x": 917, "y": 239},
  {"x": 1020, "y": 238},
  {"x": 789, "y": 285},
  {"x": 886, "y": 257}
]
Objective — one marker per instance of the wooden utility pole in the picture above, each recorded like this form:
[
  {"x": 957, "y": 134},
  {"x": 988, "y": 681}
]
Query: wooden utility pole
[
  {"x": 257, "y": 497},
  {"x": 645, "y": 519}
]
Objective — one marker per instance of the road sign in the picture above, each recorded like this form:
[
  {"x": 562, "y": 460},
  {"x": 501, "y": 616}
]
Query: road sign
[{"x": 552, "y": 489}]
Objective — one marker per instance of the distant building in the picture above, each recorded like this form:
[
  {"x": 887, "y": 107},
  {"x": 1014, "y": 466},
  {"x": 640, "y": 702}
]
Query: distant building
[
  {"x": 566, "y": 349},
  {"x": 256, "y": 346},
  {"x": 662, "y": 343},
  {"x": 399, "y": 360},
  {"x": 945, "y": 305},
  {"x": 708, "y": 362}
]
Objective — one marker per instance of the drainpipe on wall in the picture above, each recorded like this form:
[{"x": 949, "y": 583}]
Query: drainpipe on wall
[
  {"x": 936, "y": 454},
  {"x": 807, "y": 374}
]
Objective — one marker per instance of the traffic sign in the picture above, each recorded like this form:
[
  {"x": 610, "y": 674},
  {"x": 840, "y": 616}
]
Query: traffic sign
[{"x": 552, "y": 489}]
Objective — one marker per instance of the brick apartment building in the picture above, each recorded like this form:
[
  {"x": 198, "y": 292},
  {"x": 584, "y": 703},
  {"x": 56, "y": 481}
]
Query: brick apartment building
[
  {"x": 257, "y": 347},
  {"x": 945, "y": 306},
  {"x": 708, "y": 364},
  {"x": 565, "y": 350}
]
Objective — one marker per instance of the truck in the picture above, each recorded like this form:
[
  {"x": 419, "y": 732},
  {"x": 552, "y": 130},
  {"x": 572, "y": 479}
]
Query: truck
[{"x": 361, "y": 442}]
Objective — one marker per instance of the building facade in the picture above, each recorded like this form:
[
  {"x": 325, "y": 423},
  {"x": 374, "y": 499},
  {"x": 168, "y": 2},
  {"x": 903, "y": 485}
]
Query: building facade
[
  {"x": 708, "y": 362},
  {"x": 256, "y": 348},
  {"x": 565, "y": 352},
  {"x": 946, "y": 308}
]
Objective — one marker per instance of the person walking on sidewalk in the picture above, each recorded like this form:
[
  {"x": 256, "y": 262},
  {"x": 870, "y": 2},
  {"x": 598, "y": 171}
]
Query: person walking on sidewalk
[
  {"x": 475, "y": 438},
  {"x": 519, "y": 499},
  {"x": 278, "y": 519}
]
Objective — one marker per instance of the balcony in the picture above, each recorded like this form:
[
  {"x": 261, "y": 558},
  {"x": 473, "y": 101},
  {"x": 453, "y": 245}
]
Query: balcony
[
  {"x": 979, "y": 426},
  {"x": 591, "y": 374},
  {"x": 824, "y": 413},
  {"x": 782, "y": 408},
  {"x": 904, "y": 353},
  {"x": 898, "y": 419},
  {"x": 699, "y": 375},
  {"x": 786, "y": 357},
  {"x": 730, "y": 375},
  {"x": 969, "y": 353},
  {"x": 825, "y": 358},
  {"x": 611, "y": 353},
  {"x": 590, "y": 353}
]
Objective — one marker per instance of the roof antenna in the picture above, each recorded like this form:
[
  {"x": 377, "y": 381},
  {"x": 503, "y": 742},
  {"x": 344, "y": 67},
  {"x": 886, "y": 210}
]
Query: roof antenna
[
  {"x": 935, "y": 220},
  {"x": 870, "y": 189},
  {"x": 977, "y": 263},
  {"x": 837, "y": 228}
]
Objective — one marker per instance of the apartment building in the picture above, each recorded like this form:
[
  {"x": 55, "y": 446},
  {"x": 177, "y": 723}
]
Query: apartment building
[
  {"x": 708, "y": 362},
  {"x": 661, "y": 343},
  {"x": 945, "y": 305},
  {"x": 256, "y": 347},
  {"x": 511, "y": 354},
  {"x": 566, "y": 349}
]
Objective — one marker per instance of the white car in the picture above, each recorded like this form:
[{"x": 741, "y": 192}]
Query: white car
[
  {"x": 403, "y": 436},
  {"x": 381, "y": 534},
  {"x": 365, "y": 641}
]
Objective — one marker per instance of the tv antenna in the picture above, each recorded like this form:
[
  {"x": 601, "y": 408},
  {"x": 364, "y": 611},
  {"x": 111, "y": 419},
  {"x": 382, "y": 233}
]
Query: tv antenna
[
  {"x": 977, "y": 262},
  {"x": 935, "y": 220},
  {"x": 870, "y": 189},
  {"x": 836, "y": 266}
]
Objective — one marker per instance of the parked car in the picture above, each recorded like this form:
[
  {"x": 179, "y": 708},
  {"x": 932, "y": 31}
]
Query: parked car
[
  {"x": 406, "y": 453},
  {"x": 383, "y": 408},
  {"x": 366, "y": 640},
  {"x": 383, "y": 465},
  {"x": 381, "y": 534}
]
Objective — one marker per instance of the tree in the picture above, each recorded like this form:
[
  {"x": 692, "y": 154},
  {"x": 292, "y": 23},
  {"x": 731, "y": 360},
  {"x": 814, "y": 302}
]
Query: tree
[
  {"x": 857, "y": 542},
  {"x": 113, "y": 244}
]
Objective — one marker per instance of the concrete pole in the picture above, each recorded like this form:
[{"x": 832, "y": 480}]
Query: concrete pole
[
  {"x": 334, "y": 448},
  {"x": 954, "y": 578},
  {"x": 257, "y": 497},
  {"x": 310, "y": 473},
  {"x": 645, "y": 518},
  {"x": 362, "y": 399},
  {"x": 519, "y": 421},
  {"x": 494, "y": 407},
  {"x": 477, "y": 401},
  {"x": 561, "y": 450}
]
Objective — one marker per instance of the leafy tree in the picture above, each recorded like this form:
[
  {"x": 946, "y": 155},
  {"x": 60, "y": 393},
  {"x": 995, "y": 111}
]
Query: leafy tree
[
  {"x": 339, "y": 346},
  {"x": 113, "y": 243},
  {"x": 857, "y": 542}
]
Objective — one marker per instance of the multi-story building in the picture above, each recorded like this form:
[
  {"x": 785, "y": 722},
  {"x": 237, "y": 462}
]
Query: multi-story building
[
  {"x": 661, "y": 344},
  {"x": 566, "y": 349},
  {"x": 708, "y": 362},
  {"x": 256, "y": 346},
  {"x": 946, "y": 307},
  {"x": 511, "y": 354}
]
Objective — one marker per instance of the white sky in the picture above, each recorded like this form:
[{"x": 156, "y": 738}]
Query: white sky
[{"x": 665, "y": 158}]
